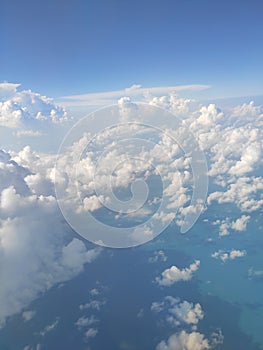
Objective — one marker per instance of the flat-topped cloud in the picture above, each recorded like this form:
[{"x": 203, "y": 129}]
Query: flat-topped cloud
[{"x": 136, "y": 90}]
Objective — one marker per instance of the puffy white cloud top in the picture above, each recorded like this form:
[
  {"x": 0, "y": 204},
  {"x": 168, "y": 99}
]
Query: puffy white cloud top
[
  {"x": 174, "y": 274},
  {"x": 179, "y": 312},
  {"x": 184, "y": 316},
  {"x": 186, "y": 341},
  {"x": 239, "y": 224},
  {"x": 25, "y": 107}
]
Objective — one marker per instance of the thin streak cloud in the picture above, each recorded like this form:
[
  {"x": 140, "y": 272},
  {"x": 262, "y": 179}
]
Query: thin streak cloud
[{"x": 109, "y": 97}]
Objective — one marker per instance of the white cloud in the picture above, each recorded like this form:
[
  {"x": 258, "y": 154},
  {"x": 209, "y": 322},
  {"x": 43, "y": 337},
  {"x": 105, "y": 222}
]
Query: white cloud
[
  {"x": 178, "y": 106},
  {"x": 28, "y": 315},
  {"x": 109, "y": 97},
  {"x": 83, "y": 321},
  {"x": 174, "y": 274},
  {"x": 230, "y": 255},
  {"x": 37, "y": 347},
  {"x": 247, "y": 110},
  {"x": 91, "y": 184},
  {"x": 158, "y": 306},
  {"x": 224, "y": 228},
  {"x": 93, "y": 304},
  {"x": 237, "y": 254},
  {"x": 94, "y": 292},
  {"x": 31, "y": 133},
  {"x": 233, "y": 148},
  {"x": 209, "y": 116},
  {"x": 177, "y": 312},
  {"x": 90, "y": 333},
  {"x": 7, "y": 90},
  {"x": 186, "y": 312},
  {"x": 26, "y": 108},
  {"x": 36, "y": 247},
  {"x": 216, "y": 339},
  {"x": 142, "y": 234},
  {"x": 157, "y": 256},
  {"x": 92, "y": 203},
  {"x": 49, "y": 328},
  {"x": 39, "y": 185},
  {"x": 226, "y": 225},
  {"x": 233, "y": 145},
  {"x": 255, "y": 273},
  {"x": 184, "y": 341},
  {"x": 249, "y": 158},
  {"x": 241, "y": 223},
  {"x": 244, "y": 192},
  {"x": 75, "y": 255}
]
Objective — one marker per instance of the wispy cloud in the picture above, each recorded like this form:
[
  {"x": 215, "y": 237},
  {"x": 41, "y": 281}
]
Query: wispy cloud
[{"x": 109, "y": 97}]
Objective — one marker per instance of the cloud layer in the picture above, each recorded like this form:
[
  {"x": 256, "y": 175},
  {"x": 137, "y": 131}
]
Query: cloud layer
[{"x": 37, "y": 250}]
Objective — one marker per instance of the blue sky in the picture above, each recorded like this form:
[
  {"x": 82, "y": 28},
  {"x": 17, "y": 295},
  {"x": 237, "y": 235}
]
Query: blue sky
[{"x": 68, "y": 47}]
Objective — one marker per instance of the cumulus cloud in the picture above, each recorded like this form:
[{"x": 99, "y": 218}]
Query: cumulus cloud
[
  {"x": 186, "y": 316},
  {"x": 177, "y": 312},
  {"x": 226, "y": 225},
  {"x": 174, "y": 274},
  {"x": 231, "y": 255},
  {"x": 241, "y": 223},
  {"x": 245, "y": 192},
  {"x": 248, "y": 159},
  {"x": 186, "y": 312},
  {"x": 26, "y": 108},
  {"x": 186, "y": 341},
  {"x": 232, "y": 141},
  {"x": 178, "y": 106},
  {"x": 7, "y": 90},
  {"x": 75, "y": 255},
  {"x": 91, "y": 184},
  {"x": 209, "y": 116},
  {"x": 233, "y": 150},
  {"x": 36, "y": 247},
  {"x": 248, "y": 111}
]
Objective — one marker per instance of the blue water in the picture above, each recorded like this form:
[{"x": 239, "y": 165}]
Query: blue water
[{"x": 231, "y": 300}]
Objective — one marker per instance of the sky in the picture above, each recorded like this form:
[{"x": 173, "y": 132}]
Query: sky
[{"x": 68, "y": 47}]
